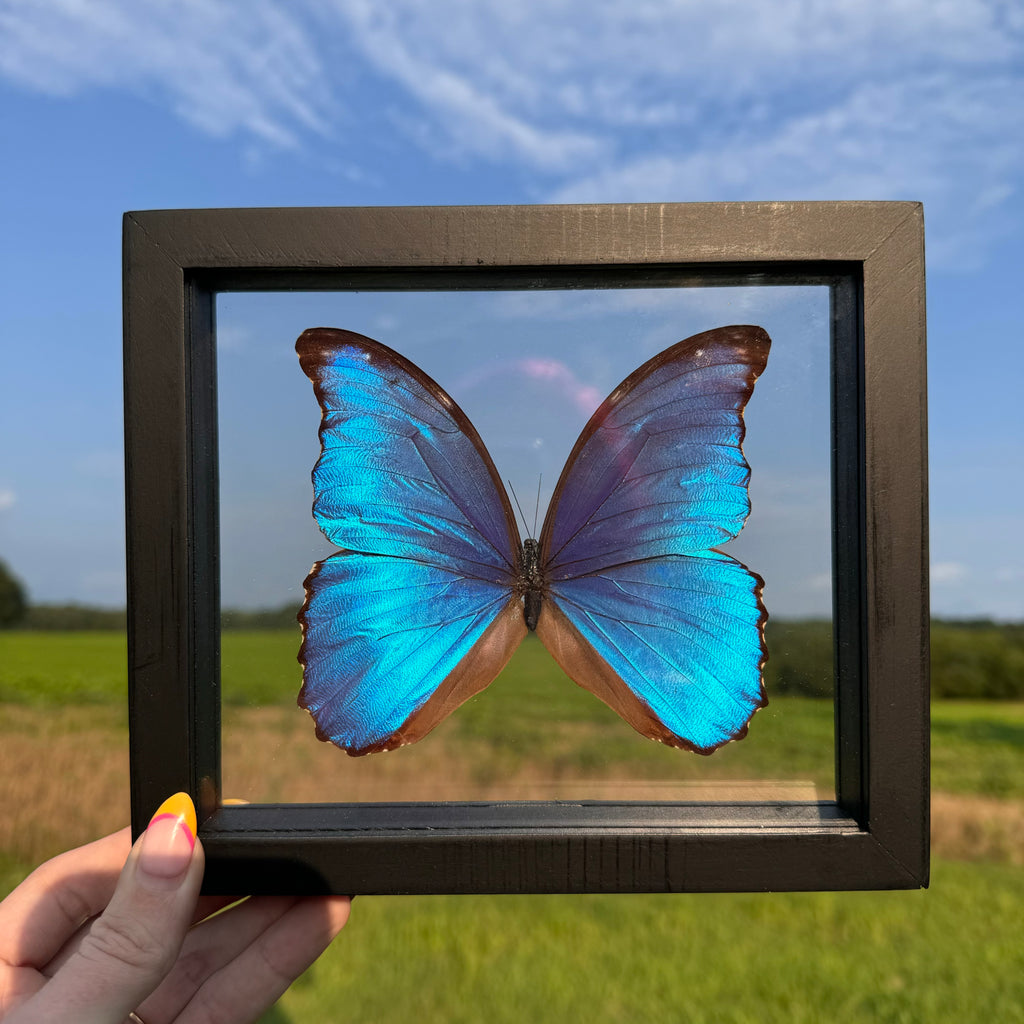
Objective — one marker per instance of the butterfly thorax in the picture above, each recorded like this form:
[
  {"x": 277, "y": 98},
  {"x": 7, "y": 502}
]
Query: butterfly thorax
[{"x": 531, "y": 582}]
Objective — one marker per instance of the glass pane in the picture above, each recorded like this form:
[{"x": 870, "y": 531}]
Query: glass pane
[{"x": 529, "y": 368}]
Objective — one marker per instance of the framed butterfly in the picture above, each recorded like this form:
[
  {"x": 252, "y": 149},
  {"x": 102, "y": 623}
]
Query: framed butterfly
[{"x": 433, "y": 590}]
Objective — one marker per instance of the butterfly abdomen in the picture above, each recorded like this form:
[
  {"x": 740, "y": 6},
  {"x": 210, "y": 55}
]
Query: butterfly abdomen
[{"x": 531, "y": 582}]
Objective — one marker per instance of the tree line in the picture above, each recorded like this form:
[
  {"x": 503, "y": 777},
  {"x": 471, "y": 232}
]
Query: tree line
[
  {"x": 970, "y": 659},
  {"x": 978, "y": 659}
]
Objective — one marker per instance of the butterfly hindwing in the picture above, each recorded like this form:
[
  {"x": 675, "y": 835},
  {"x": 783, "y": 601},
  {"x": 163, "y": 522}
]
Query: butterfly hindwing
[
  {"x": 674, "y": 644},
  {"x": 412, "y": 617},
  {"x": 643, "y": 611},
  {"x": 417, "y": 641}
]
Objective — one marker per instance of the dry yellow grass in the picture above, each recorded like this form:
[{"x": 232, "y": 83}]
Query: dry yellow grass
[
  {"x": 64, "y": 781},
  {"x": 269, "y": 755},
  {"x": 63, "y": 777},
  {"x": 978, "y": 828}
]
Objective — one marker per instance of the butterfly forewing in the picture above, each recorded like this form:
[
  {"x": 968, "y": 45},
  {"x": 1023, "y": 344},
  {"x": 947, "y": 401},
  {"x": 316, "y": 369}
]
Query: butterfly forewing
[
  {"x": 659, "y": 469},
  {"x": 402, "y": 471}
]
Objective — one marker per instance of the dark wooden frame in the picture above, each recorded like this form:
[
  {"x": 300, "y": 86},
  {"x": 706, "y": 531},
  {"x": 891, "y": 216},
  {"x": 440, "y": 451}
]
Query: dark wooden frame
[{"x": 874, "y": 835}]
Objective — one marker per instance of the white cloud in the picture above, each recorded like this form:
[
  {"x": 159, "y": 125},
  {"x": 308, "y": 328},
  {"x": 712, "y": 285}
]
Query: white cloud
[
  {"x": 233, "y": 338},
  {"x": 957, "y": 146},
  {"x": 652, "y": 63},
  {"x": 558, "y": 304},
  {"x": 735, "y": 99},
  {"x": 7, "y": 499},
  {"x": 819, "y": 582},
  {"x": 460, "y": 96},
  {"x": 221, "y": 66},
  {"x": 717, "y": 100},
  {"x": 943, "y": 573},
  {"x": 1010, "y": 574}
]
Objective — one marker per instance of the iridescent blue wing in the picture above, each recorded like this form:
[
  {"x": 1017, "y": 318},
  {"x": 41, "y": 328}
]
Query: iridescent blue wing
[
  {"x": 414, "y": 615},
  {"x": 640, "y": 608},
  {"x": 674, "y": 644},
  {"x": 391, "y": 646}
]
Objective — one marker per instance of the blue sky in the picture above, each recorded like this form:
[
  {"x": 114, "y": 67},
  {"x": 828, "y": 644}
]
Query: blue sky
[{"x": 114, "y": 106}]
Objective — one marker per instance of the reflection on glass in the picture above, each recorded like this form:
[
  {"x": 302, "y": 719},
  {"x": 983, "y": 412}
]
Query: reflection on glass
[{"x": 528, "y": 369}]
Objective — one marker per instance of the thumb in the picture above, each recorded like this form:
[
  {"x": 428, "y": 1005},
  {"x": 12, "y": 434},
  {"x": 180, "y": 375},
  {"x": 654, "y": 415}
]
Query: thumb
[{"x": 134, "y": 943}]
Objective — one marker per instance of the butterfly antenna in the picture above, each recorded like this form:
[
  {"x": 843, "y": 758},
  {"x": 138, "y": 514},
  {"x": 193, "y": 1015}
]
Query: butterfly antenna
[
  {"x": 515, "y": 498},
  {"x": 536, "y": 508}
]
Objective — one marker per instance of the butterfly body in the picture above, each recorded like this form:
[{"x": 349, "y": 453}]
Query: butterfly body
[
  {"x": 432, "y": 589},
  {"x": 531, "y": 582}
]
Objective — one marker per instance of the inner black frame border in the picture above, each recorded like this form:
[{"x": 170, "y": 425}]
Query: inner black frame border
[{"x": 871, "y": 255}]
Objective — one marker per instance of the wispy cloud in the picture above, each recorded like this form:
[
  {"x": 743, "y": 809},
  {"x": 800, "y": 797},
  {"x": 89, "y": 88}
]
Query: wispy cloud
[
  {"x": 557, "y": 380},
  {"x": 734, "y": 99},
  {"x": 7, "y": 499},
  {"x": 946, "y": 573},
  {"x": 223, "y": 67},
  {"x": 819, "y": 582},
  {"x": 558, "y": 304},
  {"x": 587, "y": 102},
  {"x": 233, "y": 338},
  {"x": 651, "y": 64},
  {"x": 474, "y": 116},
  {"x": 958, "y": 146}
]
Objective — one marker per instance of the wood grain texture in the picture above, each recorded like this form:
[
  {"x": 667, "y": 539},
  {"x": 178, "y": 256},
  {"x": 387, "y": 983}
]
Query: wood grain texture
[
  {"x": 871, "y": 257},
  {"x": 472, "y": 236},
  {"x": 896, "y": 539}
]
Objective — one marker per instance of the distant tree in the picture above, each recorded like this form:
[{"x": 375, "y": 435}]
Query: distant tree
[
  {"x": 799, "y": 657},
  {"x": 978, "y": 661},
  {"x": 64, "y": 617},
  {"x": 12, "y": 597}
]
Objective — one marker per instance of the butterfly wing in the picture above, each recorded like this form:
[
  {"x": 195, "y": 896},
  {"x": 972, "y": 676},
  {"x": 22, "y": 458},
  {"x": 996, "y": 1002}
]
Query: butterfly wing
[
  {"x": 415, "y": 614},
  {"x": 640, "y": 608}
]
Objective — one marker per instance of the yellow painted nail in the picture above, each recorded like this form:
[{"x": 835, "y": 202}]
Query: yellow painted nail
[{"x": 179, "y": 807}]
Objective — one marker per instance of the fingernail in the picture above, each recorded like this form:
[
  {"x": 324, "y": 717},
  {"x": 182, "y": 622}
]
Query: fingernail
[{"x": 170, "y": 838}]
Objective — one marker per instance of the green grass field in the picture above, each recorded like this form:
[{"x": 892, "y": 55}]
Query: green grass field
[
  {"x": 953, "y": 953},
  {"x": 977, "y": 745},
  {"x": 950, "y": 954}
]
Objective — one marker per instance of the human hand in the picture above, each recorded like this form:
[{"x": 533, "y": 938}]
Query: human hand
[{"x": 94, "y": 938}]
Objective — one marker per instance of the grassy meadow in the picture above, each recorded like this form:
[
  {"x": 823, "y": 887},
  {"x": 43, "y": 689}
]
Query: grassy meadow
[{"x": 951, "y": 953}]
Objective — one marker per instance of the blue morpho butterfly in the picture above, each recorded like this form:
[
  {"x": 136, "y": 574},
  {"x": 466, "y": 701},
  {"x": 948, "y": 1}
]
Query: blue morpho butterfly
[{"x": 433, "y": 589}]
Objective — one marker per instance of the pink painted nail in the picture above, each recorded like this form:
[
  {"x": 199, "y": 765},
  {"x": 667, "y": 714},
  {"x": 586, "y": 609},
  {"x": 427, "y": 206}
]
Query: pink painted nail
[{"x": 170, "y": 838}]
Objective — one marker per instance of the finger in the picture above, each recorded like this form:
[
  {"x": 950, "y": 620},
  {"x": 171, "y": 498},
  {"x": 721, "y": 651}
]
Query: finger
[
  {"x": 40, "y": 915},
  {"x": 258, "y": 976},
  {"x": 133, "y": 944},
  {"x": 213, "y": 904},
  {"x": 209, "y": 947},
  {"x": 16, "y": 985},
  {"x": 207, "y": 905}
]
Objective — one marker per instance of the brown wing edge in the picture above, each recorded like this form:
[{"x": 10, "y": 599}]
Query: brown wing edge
[
  {"x": 737, "y": 336},
  {"x": 585, "y": 667},
  {"x": 314, "y": 347},
  {"x": 488, "y": 656}
]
